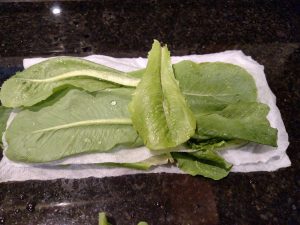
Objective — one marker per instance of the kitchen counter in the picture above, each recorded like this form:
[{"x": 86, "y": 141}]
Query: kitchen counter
[{"x": 268, "y": 31}]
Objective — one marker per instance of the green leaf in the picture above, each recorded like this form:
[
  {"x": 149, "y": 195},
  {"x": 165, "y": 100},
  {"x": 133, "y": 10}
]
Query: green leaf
[
  {"x": 212, "y": 157},
  {"x": 40, "y": 81},
  {"x": 159, "y": 111},
  {"x": 137, "y": 73},
  {"x": 242, "y": 120},
  {"x": 205, "y": 163},
  {"x": 103, "y": 219},
  {"x": 143, "y": 165},
  {"x": 73, "y": 122},
  {"x": 214, "y": 144},
  {"x": 223, "y": 98},
  {"x": 210, "y": 87},
  {"x": 4, "y": 114},
  {"x": 205, "y": 145}
]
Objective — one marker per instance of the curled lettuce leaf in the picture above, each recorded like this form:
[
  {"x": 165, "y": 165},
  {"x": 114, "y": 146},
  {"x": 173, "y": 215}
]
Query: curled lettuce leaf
[
  {"x": 158, "y": 109},
  {"x": 206, "y": 161},
  {"x": 207, "y": 164}
]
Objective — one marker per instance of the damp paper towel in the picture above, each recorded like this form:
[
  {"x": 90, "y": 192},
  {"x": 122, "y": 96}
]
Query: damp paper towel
[{"x": 251, "y": 157}]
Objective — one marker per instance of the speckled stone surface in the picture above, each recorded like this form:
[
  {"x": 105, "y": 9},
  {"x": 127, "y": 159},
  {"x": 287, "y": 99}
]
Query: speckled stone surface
[{"x": 269, "y": 31}]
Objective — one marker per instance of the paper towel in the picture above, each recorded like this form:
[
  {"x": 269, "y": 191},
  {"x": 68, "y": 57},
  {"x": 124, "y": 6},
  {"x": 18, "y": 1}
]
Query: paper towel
[{"x": 251, "y": 157}]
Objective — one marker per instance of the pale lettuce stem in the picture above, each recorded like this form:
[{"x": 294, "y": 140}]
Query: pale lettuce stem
[{"x": 121, "y": 79}]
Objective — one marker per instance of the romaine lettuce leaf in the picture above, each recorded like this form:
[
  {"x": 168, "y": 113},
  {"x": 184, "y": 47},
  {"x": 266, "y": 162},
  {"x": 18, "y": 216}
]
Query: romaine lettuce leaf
[
  {"x": 40, "y": 81},
  {"x": 158, "y": 109},
  {"x": 4, "y": 114},
  {"x": 205, "y": 163},
  {"x": 214, "y": 144},
  {"x": 143, "y": 165},
  {"x": 204, "y": 145},
  {"x": 243, "y": 120},
  {"x": 73, "y": 122},
  {"x": 210, "y": 87}
]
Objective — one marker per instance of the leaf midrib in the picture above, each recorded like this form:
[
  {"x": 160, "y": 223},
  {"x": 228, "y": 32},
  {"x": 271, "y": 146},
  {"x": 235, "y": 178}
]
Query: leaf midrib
[
  {"x": 115, "y": 121},
  {"x": 122, "y": 79}
]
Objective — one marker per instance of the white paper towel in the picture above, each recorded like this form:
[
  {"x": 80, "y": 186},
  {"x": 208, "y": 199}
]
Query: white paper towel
[{"x": 251, "y": 157}]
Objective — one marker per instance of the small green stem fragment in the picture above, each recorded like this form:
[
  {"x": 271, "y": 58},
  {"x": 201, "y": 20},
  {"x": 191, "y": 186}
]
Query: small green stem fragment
[
  {"x": 103, "y": 219},
  {"x": 142, "y": 223}
]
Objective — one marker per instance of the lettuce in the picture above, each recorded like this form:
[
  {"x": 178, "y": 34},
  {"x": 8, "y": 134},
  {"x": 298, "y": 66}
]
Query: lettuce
[
  {"x": 4, "y": 114},
  {"x": 158, "y": 109},
  {"x": 207, "y": 164},
  {"x": 74, "y": 122},
  {"x": 142, "y": 165},
  {"x": 42, "y": 80},
  {"x": 73, "y": 106},
  {"x": 243, "y": 120}
]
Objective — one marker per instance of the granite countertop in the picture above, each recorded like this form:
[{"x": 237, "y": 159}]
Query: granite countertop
[{"x": 269, "y": 31}]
